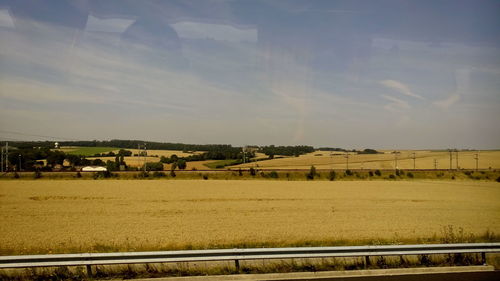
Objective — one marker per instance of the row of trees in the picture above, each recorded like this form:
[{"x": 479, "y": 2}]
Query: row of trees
[
  {"x": 212, "y": 151},
  {"x": 31, "y": 159},
  {"x": 121, "y": 152},
  {"x": 297, "y": 150}
]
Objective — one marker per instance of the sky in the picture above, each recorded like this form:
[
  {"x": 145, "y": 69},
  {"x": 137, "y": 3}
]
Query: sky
[{"x": 388, "y": 74}]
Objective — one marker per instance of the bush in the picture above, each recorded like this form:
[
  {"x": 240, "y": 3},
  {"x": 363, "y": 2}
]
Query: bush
[
  {"x": 143, "y": 174},
  {"x": 205, "y": 177},
  {"x": 332, "y": 175},
  {"x": 78, "y": 174},
  {"x": 102, "y": 175},
  {"x": 370, "y": 173},
  {"x": 172, "y": 173},
  {"x": 273, "y": 174},
  {"x": 240, "y": 172},
  {"x": 378, "y": 173},
  {"x": 392, "y": 177},
  {"x": 37, "y": 174},
  {"x": 253, "y": 172},
  {"x": 410, "y": 175},
  {"x": 154, "y": 166},
  {"x": 498, "y": 179},
  {"x": 157, "y": 174},
  {"x": 312, "y": 173},
  {"x": 348, "y": 172},
  {"x": 181, "y": 163},
  {"x": 16, "y": 175}
]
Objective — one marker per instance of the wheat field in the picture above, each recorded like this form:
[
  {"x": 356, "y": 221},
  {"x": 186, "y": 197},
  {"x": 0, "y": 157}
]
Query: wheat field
[
  {"x": 424, "y": 160},
  {"x": 82, "y": 215}
]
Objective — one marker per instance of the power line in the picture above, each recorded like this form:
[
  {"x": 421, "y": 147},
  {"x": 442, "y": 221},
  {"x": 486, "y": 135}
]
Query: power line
[
  {"x": 476, "y": 157},
  {"x": 414, "y": 157},
  {"x": 34, "y": 135},
  {"x": 347, "y": 160}
]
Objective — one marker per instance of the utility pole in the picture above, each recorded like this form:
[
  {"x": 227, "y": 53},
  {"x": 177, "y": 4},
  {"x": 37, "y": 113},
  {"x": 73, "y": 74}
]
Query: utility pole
[
  {"x": 19, "y": 164},
  {"x": 1, "y": 165},
  {"x": 145, "y": 154},
  {"x": 6, "y": 157},
  {"x": 396, "y": 159},
  {"x": 435, "y": 164},
  {"x": 456, "y": 157},
  {"x": 244, "y": 151},
  {"x": 347, "y": 160},
  {"x": 414, "y": 156},
  {"x": 451, "y": 157},
  {"x": 476, "y": 156}
]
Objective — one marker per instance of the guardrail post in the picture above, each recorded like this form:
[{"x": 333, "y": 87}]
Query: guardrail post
[
  {"x": 237, "y": 265},
  {"x": 483, "y": 258},
  {"x": 367, "y": 261},
  {"x": 89, "y": 271}
]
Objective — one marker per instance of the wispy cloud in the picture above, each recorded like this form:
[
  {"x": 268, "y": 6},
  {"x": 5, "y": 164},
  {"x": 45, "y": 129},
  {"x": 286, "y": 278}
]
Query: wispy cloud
[
  {"x": 400, "y": 87},
  {"x": 395, "y": 105},
  {"x": 448, "y": 102}
]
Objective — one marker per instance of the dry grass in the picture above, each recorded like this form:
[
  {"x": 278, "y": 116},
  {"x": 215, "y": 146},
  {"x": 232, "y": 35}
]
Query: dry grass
[
  {"x": 82, "y": 215},
  {"x": 424, "y": 160}
]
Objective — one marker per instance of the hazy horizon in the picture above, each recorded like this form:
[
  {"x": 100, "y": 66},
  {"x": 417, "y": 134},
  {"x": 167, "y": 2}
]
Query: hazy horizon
[{"x": 351, "y": 74}]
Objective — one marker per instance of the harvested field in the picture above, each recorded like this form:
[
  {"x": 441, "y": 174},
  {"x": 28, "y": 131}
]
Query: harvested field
[
  {"x": 110, "y": 215},
  {"x": 424, "y": 160}
]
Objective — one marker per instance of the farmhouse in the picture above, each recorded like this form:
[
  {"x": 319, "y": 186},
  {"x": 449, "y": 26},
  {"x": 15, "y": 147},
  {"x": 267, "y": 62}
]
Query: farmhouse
[{"x": 94, "y": 169}]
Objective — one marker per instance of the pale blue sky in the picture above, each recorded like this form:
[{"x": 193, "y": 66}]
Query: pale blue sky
[{"x": 353, "y": 74}]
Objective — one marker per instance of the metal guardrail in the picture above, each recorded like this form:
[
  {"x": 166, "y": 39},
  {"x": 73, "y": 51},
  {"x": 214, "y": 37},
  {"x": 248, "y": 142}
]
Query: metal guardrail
[{"x": 89, "y": 259}]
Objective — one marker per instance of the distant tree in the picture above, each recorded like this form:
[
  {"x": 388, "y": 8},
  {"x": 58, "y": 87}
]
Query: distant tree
[
  {"x": 273, "y": 174},
  {"x": 312, "y": 173},
  {"x": 111, "y": 166},
  {"x": 332, "y": 175},
  {"x": 123, "y": 152},
  {"x": 181, "y": 164},
  {"x": 154, "y": 166},
  {"x": 98, "y": 162},
  {"x": 55, "y": 158},
  {"x": 378, "y": 173},
  {"x": 252, "y": 171}
]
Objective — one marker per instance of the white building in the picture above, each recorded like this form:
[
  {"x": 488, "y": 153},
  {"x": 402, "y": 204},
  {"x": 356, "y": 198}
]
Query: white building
[{"x": 94, "y": 169}]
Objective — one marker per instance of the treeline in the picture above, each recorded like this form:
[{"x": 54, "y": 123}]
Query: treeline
[
  {"x": 45, "y": 159},
  {"x": 297, "y": 150},
  {"x": 364, "y": 151},
  {"x": 153, "y": 145},
  {"x": 331, "y": 149}
]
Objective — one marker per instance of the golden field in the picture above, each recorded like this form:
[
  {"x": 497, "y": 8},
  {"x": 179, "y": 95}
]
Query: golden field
[
  {"x": 424, "y": 160},
  {"x": 83, "y": 215}
]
